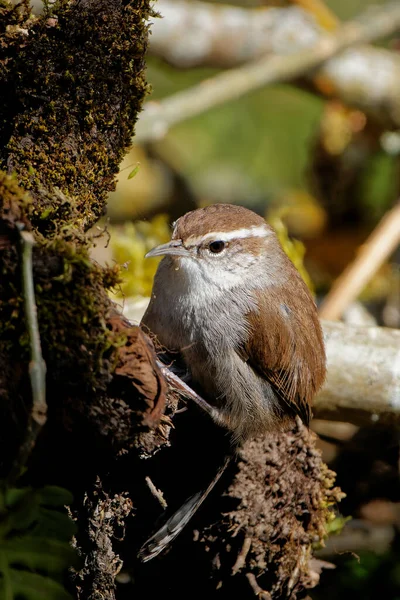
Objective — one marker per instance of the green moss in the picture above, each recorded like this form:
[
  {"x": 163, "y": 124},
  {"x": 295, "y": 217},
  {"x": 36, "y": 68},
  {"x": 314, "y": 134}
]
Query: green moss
[
  {"x": 71, "y": 87},
  {"x": 14, "y": 201},
  {"x": 72, "y": 311},
  {"x": 71, "y": 297}
]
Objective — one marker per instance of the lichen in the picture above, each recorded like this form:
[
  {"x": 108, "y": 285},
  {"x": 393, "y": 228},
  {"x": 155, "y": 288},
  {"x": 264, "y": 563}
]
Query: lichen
[{"x": 102, "y": 517}]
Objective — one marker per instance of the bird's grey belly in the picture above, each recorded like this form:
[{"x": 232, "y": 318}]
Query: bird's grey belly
[
  {"x": 247, "y": 402},
  {"x": 206, "y": 339}
]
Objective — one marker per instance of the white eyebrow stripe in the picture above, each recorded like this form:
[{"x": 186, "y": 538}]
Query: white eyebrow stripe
[{"x": 227, "y": 236}]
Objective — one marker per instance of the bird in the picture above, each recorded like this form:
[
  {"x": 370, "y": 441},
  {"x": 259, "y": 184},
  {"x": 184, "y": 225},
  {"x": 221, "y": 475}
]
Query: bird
[{"x": 230, "y": 304}]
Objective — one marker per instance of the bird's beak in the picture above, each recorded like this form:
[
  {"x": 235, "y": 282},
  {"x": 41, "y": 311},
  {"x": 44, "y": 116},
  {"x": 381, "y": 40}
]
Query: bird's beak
[{"x": 172, "y": 248}]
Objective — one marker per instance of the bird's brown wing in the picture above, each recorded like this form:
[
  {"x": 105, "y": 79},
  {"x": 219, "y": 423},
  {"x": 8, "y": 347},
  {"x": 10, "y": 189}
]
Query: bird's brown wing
[{"x": 285, "y": 346}]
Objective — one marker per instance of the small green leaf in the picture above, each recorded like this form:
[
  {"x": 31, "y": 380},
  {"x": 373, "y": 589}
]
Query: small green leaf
[
  {"x": 24, "y": 506},
  {"x": 134, "y": 171},
  {"x": 13, "y": 496}
]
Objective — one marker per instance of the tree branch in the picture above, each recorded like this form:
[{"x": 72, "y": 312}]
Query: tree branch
[
  {"x": 363, "y": 382},
  {"x": 158, "y": 117},
  {"x": 199, "y": 34}
]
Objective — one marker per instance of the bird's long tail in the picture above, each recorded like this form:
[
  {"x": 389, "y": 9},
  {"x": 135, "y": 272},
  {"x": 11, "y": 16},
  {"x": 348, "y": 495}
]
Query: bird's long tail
[{"x": 176, "y": 523}]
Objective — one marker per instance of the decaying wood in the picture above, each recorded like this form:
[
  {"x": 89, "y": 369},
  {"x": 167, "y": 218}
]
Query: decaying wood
[{"x": 104, "y": 517}]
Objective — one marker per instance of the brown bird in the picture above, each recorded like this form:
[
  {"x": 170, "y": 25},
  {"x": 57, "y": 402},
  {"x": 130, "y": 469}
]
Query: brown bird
[{"x": 230, "y": 303}]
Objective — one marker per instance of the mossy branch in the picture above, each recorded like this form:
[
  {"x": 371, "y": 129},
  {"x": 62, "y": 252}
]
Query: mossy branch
[{"x": 71, "y": 86}]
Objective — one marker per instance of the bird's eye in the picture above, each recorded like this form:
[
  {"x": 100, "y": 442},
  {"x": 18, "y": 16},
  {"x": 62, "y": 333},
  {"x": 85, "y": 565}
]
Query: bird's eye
[{"x": 217, "y": 246}]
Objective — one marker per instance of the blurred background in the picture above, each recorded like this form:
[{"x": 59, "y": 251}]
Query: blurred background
[{"x": 319, "y": 158}]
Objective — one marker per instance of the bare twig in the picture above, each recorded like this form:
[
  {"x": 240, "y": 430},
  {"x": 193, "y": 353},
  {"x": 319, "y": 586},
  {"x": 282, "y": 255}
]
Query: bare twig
[
  {"x": 37, "y": 366},
  {"x": 158, "y": 495},
  {"x": 158, "y": 117},
  {"x": 302, "y": 558},
  {"x": 378, "y": 247}
]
